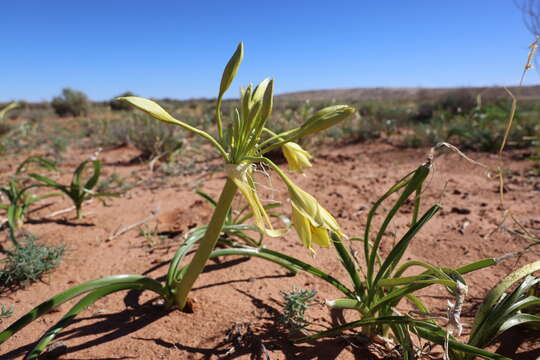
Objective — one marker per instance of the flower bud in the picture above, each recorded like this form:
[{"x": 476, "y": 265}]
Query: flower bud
[{"x": 325, "y": 118}]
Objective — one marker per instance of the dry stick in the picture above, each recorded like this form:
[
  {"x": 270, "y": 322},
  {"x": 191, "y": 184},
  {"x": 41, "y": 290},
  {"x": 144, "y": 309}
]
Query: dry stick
[
  {"x": 63, "y": 211},
  {"x": 119, "y": 232},
  {"x": 529, "y": 65}
]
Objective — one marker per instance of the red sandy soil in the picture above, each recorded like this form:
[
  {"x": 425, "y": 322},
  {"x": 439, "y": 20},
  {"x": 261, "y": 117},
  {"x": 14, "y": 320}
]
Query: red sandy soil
[{"x": 237, "y": 291}]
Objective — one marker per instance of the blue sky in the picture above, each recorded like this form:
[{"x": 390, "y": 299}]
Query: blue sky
[{"x": 178, "y": 48}]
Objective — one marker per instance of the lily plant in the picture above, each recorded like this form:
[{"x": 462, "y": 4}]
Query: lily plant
[{"x": 242, "y": 143}]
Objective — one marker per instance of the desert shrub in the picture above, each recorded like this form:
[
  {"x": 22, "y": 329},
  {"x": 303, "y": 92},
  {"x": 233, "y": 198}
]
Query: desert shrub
[
  {"x": 424, "y": 112},
  {"x": 152, "y": 138},
  {"x": 457, "y": 101},
  {"x": 71, "y": 102},
  {"x": 116, "y": 105},
  {"x": 29, "y": 261}
]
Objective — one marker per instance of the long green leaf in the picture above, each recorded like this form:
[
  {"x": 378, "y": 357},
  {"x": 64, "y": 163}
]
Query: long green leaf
[
  {"x": 50, "y": 182},
  {"x": 495, "y": 294},
  {"x": 397, "y": 252},
  {"x": 416, "y": 181},
  {"x": 350, "y": 266},
  {"x": 93, "y": 180},
  {"x": 69, "y": 317},
  {"x": 137, "y": 281},
  {"x": 518, "y": 319}
]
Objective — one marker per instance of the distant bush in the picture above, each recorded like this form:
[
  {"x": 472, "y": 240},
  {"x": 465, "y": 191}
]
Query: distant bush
[
  {"x": 121, "y": 105},
  {"x": 424, "y": 112},
  {"x": 458, "y": 101},
  {"x": 71, "y": 102}
]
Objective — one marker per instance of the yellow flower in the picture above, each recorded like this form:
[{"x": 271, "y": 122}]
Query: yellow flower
[
  {"x": 311, "y": 221},
  {"x": 307, "y": 232},
  {"x": 297, "y": 158}
]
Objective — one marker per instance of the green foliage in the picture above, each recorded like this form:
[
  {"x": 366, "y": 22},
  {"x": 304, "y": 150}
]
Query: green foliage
[
  {"x": 29, "y": 261},
  {"x": 71, "y": 103},
  {"x": 76, "y": 190},
  {"x": 381, "y": 287},
  {"x": 116, "y": 105},
  {"x": 18, "y": 194},
  {"x": 296, "y": 302}
]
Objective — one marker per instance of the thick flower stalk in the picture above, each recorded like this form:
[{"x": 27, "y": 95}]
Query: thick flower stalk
[{"x": 242, "y": 144}]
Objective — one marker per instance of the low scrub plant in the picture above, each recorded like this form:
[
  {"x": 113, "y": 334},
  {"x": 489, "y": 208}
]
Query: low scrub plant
[
  {"x": 242, "y": 144},
  {"x": 153, "y": 139},
  {"x": 78, "y": 191},
  {"x": 28, "y": 261},
  {"x": 71, "y": 103},
  {"x": 295, "y": 304},
  {"x": 5, "y": 312}
]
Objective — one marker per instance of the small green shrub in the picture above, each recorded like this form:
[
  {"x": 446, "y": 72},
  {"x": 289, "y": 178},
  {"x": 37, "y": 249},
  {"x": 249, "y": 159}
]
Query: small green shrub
[
  {"x": 296, "y": 302},
  {"x": 5, "y": 312},
  {"x": 29, "y": 261},
  {"x": 71, "y": 103}
]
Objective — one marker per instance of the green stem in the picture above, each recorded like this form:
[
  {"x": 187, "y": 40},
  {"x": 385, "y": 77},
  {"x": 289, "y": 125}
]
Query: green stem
[
  {"x": 218, "y": 119},
  {"x": 206, "y": 245}
]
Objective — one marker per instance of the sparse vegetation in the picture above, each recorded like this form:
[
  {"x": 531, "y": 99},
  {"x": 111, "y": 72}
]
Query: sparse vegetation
[{"x": 246, "y": 137}]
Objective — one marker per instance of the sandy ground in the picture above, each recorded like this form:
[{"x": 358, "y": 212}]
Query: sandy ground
[{"x": 237, "y": 291}]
